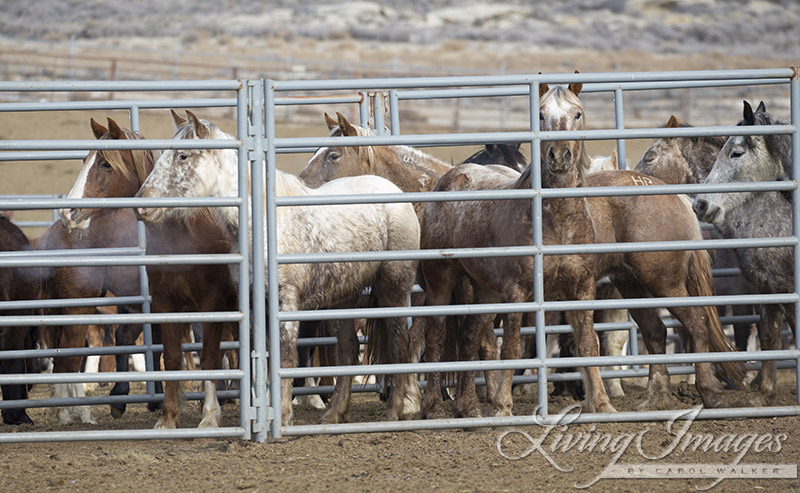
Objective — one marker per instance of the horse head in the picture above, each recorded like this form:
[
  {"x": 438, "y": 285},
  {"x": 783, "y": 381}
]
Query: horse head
[
  {"x": 108, "y": 173},
  {"x": 564, "y": 162},
  {"x": 329, "y": 163},
  {"x": 190, "y": 172},
  {"x": 745, "y": 158}
]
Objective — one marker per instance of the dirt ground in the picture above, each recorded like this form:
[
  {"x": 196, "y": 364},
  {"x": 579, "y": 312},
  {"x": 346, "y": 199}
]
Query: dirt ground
[{"x": 445, "y": 461}]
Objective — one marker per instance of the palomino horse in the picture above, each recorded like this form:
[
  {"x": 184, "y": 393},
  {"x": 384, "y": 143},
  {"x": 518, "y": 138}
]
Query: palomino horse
[
  {"x": 345, "y": 228},
  {"x": 682, "y": 160},
  {"x": 16, "y": 283},
  {"x": 106, "y": 173},
  {"x": 757, "y": 215},
  {"x": 615, "y": 219}
]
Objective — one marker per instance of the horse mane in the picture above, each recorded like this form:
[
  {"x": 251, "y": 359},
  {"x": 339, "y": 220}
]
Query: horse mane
[
  {"x": 508, "y": 154},
  {"x": 143, "y": 159},
  {"x": 562, "y": 93},
  {"x": 778, "y": 145}
]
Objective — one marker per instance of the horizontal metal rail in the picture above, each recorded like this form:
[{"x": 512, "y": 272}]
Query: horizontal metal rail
[
  {"x": 103, "y": 350},
  {"x": 134, "y": 318}
]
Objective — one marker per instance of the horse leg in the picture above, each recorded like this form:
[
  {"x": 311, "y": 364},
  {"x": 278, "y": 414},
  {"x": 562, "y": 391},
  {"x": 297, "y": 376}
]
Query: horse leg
[
  {"x": 511, "y": 349},
  {"x": 654, "y": 333},
  {"x": 305, "y": 359},
  {"x": 487, "y": 352},
  {"x": 466, "y": 402},
  {"x": 210, "y": 359},
  {"x": 615, "y": 346},
  {"x": 170, "y": 409},
  {"x": 347, "y": 352},
  {"x": 586, "y": 342},
  {"x": 126, "y": 336},
  {"x": 94, "y": 336},
  {"x": 769, "y": 331},
  {"x": 71, "y": 336},
  {"x": 14, "y": 338},
  {"x": 288, "y": 341},
  {"x": 107, "y": 361},
  {"x": 695, "y": 321}
]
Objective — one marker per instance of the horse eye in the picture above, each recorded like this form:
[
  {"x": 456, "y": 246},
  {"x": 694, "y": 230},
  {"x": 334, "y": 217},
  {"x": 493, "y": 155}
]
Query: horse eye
[
  {"x": 736, "y": 154},
  {"x": 182, "y": 156},
  {"x": 105, "y": 165},
  {"x": 541, "y": 117},
  {"x": 334, "y": 156},
  {"x": 578, "y": 115}
]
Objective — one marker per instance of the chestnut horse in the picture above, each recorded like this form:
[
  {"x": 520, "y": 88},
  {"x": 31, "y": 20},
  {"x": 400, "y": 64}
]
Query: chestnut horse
[
  {"x": 345, "y": 228},
  {"x": 615, "y": 219},
  {"x": 16, "y": 283},
  {"x": 681, "y": 160}
]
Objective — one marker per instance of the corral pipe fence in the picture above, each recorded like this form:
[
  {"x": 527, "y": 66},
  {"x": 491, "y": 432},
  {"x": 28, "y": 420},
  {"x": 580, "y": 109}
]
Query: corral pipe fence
[{"x": 378, "y": 100}]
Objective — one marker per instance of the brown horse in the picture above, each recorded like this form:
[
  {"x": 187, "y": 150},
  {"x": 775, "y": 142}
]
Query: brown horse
[
  {"x": 689, "y": 160},
  {"x": 106, "y": 173},
  {"x": 615, "y": 219},
  {"x": 16, "y": 283}
]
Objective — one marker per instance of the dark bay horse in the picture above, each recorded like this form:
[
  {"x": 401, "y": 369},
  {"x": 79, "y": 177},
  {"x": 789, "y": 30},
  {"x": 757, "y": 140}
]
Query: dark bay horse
[
  {"x": 682, "y": 160},
  {"x": 345, "y": 228},
  {"x": 16, "y": 283},
  {"x": 757, "y": 215}
]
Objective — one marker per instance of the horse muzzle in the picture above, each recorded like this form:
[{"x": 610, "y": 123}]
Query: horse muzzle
[
  {"x": 149, "y": 214},
  {"x": 706, "y": 211},
  {"x": 74, "y": 219}
]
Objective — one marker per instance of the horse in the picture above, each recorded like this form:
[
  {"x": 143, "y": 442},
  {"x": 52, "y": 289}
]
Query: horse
[
  {"x": 757, "y": 214},
  {"x": 16, "y": 283},
  {"x": 615, "y": 219},
  {"x": 106, "y": 173},
  {"x": 312, "y": 229},
  {"x": 681, "y": 160},
  {"x": 415, "y": 171}
]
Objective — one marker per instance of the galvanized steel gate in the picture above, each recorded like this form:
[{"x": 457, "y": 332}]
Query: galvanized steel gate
[{"x": 255, "y": 103}]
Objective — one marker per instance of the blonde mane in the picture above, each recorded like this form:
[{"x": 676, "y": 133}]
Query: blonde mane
[{"x": 143, "y": 159}]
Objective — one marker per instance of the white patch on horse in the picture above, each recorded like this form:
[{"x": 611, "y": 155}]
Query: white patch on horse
[
  {"x": 212, "y": 412},
  {"x": 642, "y": 181}
]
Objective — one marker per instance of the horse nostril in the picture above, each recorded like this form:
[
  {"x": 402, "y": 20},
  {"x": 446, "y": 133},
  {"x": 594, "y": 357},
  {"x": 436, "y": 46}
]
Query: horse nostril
[
  {"x": 700, "y": 207},
  {"x": 551, "y": 155},
  {"x": 567, "y": 156}
]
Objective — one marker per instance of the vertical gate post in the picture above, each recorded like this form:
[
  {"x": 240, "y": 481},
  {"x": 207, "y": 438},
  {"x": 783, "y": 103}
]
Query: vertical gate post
[
  {"x": 538, "y": 258},
  {"x": 619, "y": 115},
  {"x": 245, "y": 145},
  {"x": 272, "y": 259},
  {"x": 794, "y": 95},
  {"x": 147, "y": 329},
  {"x": 257, "y": 229}
]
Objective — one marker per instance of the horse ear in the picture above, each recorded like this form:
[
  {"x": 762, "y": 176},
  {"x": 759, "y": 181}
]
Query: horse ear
[
  {"x": 747, "y": 114},
  {"x": 199, "y": 129},
  {"x": 177, "y": 119},
  {"x": 762, "y": 108},
  {"x": 576, "y": 87},
  {"x": 673, "y": 122},
  {"x": 543, "y": 88},
  {"x": 115, "y": 130},
  {"x": 615, "y": 159},
  {"x": 97, "y": 129},
  {"x": 348, "y": 130},
  {"x": 330, "y": 122}
]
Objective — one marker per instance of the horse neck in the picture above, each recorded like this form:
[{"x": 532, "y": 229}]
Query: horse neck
[
  {"x": 408, "y": 168},
  {"x": 700, "y": 154}
]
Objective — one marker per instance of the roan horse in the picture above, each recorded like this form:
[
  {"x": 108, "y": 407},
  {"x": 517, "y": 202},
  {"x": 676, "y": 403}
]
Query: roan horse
[
  {"x": 757, "y": 214},
  {"x": 106, "y": 173},
  {"x": 615, "y": 219},
  {"x": 16, "y": 283},
  {"x": 682, "y": 160},
  {"x": 344, "y": 228}
]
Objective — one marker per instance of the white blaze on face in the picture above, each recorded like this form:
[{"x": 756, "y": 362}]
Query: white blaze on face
[{"x": 80, "y": 184}]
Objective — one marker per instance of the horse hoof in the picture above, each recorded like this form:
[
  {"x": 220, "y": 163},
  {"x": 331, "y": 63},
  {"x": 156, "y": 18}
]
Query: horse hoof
[
  {"x": 614, "y": 389},
  {"x": 16, "y": 418},
  {"x": 153, "y": 406},
  {"x": 763, "y": 400},
  {"x": 331, "y": 419},
  {"x": 435, "y": 412},
  {"x": 650, "y": 403},
  {"x": 470, "y": 412},
  {"x": 606, "y": 408},
  {"x": 163, "y": 424},
  {"x": 117, "y": 410},
  {"x": 209, "y": 422},
  {"x": 503, "y": 412}
]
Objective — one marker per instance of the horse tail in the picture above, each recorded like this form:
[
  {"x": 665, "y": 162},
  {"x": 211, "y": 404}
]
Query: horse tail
[{"x": 699, "y": 283}]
